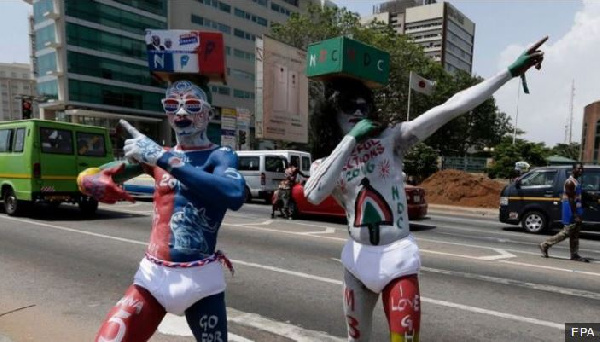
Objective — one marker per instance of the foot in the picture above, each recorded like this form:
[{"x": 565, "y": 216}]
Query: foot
[
  {"x": 544, "y": 250},
  {"x": 578, "y": 257}
]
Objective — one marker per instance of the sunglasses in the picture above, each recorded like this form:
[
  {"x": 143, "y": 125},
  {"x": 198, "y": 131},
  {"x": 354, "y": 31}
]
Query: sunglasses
[
  {"x": 190, "y": 105},
  {"x": 352, "y": 107}
]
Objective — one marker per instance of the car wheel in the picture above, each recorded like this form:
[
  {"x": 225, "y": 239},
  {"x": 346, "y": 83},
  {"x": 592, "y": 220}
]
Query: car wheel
[
  {"x": 293, "y": 210},
  {"x": 534, "y": 222},
  {"x": 247, "y": 195},
  {"x": 88, "y": 206},
  {"x": 12, "y": 206}
]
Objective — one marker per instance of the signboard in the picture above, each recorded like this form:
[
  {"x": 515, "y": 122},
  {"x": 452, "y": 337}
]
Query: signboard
[
  {"x": 228, "y": 127},
  {"x": 281, "y": 92},
  {"x": 243, "y": 128},
  {"x": 346, "y": 57},
  {"x": 186, "y": 52}
]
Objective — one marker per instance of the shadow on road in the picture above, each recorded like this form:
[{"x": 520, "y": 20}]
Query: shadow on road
[{"x": 69, "y": 212}]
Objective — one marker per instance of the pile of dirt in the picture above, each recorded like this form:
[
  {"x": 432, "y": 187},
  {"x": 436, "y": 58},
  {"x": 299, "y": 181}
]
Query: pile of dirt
[{"x": 454, "y": 187}]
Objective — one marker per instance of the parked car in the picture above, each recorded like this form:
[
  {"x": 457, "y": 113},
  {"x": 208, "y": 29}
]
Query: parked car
[
  {"x": 299, "y": 205},
  {"x": 534, "y": 199},
  {"x": 40, "y": 161}
]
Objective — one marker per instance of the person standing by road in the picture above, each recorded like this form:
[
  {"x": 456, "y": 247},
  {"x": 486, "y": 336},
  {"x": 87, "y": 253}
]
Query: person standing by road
[
  {"x": 572, "y": 210},
  {"x": 364, "y": 174}
]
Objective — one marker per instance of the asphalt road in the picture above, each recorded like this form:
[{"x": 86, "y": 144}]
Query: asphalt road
[{"x": 480, "y": 280}]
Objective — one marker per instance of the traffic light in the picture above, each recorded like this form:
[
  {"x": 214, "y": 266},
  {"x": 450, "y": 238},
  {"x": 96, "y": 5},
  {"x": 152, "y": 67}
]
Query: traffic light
[
  {"x": 242, "y": 137},
  {"x": 26, "y": 108}
]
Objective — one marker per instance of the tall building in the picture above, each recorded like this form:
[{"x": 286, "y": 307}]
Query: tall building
[
  {"x": 240, "y": 21},
  {"x": 90, "y": 62},
  {"x": 590, "y": 134},
  {"x": 446, "y": 35},
  {"x": 16, "y": 81}
]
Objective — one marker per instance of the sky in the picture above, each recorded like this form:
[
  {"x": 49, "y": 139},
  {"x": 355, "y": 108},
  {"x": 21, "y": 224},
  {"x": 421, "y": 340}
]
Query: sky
[{"x": 504, "y": 28}]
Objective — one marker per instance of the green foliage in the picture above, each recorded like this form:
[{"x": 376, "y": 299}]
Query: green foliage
[
  {"x": 484, "y": 126},
  {"x": 506, "y": 155},
  {"x": 420, "y": 162},
  {"x": 570, "y": 151}
]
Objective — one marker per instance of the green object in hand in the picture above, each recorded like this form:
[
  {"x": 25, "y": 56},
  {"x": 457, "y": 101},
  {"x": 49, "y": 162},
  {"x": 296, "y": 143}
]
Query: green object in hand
[
  {"x": 362, "y": 129},
  {"x": 517, "y": 67}
]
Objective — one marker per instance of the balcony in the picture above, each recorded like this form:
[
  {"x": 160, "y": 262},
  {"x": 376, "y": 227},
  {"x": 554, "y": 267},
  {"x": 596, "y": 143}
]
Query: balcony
[{"x": 56, "y": 73}]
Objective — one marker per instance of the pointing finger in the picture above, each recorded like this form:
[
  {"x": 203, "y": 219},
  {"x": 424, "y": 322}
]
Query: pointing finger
[
  {"x": 537, "y": 44},
  {"x": 130, "y": 129}
]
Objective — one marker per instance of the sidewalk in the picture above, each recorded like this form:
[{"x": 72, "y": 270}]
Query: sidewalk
[
  {"x": 4, "y": 338},
  {"x": 451, "y": 209}
]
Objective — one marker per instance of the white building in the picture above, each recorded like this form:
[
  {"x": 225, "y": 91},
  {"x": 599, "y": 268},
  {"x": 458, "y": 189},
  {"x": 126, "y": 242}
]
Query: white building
[
  {"x": 446, "y": 35},
  {"x": 16, "y": 80}
]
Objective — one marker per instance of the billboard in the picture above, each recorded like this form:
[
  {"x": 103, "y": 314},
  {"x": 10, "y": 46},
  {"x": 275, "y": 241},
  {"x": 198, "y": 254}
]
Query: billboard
[
  {"x": 186, "y": 52},
  {"x": 281, "y": 92},
  {"x": 228, "y": 127}
]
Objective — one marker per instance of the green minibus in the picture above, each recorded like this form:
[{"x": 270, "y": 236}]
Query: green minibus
[{"x": 40, "y": 161}]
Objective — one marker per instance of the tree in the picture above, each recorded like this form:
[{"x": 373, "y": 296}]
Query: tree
[
  {"x": 570, "y": 151},
  {"x": 506, "y": 154},
  {"x": 420, "y": 162},
  {"x": 484, "y": 126}
]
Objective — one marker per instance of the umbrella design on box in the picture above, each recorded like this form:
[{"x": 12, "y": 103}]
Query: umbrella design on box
[{"x": 371, "y": 211}]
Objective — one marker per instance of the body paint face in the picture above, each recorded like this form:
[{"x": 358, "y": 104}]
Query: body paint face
[
  {"x": 351, "y": 112},
  {"x": 187, "y": 109}
]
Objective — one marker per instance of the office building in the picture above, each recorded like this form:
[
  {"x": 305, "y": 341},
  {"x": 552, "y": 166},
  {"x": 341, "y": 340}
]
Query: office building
[
  {"x": 590, "y": 134},
  {"x": 90, "y": 63},
  {"x": 446, "y": 35},
  {"x": 16, "y": 81},
  {"x": 240, "y": 22}
]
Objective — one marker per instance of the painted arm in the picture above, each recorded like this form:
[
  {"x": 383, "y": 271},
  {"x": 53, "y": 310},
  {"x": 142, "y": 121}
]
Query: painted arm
[
  {"x": 324, "y": 175},
  {"x": 218, "y": 180},
  {"x": 408, "y": 133},
  {"x": 103, "y": 183}
]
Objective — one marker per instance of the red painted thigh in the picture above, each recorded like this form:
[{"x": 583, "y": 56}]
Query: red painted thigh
[
  {"x": 134, "y": 318},
  {"x": 402, "y": 304}
]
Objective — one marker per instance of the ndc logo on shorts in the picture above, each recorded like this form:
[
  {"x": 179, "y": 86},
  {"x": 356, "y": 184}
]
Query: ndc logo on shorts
[{"x": 188, "y": 38}]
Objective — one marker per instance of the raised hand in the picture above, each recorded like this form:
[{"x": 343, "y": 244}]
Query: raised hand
[
  {"x": 364, "y": 129},
  {"x": 140, "y": 148},
  {"x": 532, "y": 56}
]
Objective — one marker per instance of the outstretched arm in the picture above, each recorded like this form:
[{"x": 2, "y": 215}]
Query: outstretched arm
[
  {"x": 218, "y": 180},
  {"x": 102, "y": 183},
  {"x": 426, "y": 124}
]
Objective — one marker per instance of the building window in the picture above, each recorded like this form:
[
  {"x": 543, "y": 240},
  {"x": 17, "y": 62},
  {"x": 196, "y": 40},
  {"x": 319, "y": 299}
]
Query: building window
[
  {"x": 291, "y": 2},
  {"x": 261, "y": 2},
  {"x": 241, "y": 94},
  {"x": 224, "y": 7}
]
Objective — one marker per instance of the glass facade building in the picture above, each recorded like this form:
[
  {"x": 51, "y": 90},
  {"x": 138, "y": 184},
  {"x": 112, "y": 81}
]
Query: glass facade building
[{"x": 90, "y": 61}]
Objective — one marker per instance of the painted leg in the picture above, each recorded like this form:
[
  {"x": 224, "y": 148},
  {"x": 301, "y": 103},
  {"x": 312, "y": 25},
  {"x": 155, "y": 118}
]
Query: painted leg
[
  {"x": 560, "y": 236},
  {"x": 402, "y": 305},
  {"x": 133, "y": 319},
  {"x": 207, "y": 318},
  {"x": 359, "y": 303}
]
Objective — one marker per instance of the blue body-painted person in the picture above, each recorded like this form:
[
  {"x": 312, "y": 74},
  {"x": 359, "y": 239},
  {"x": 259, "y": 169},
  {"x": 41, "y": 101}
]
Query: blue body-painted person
[
  {"x": 195, "y": 183},
  {"x": 572, "y": 211}
]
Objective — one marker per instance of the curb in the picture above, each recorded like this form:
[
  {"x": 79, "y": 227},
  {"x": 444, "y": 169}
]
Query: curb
[{"x": 444, "y": 208}]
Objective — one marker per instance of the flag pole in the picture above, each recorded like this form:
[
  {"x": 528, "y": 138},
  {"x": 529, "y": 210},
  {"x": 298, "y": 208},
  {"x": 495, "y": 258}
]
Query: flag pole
[{"x": 409, "y": 91}]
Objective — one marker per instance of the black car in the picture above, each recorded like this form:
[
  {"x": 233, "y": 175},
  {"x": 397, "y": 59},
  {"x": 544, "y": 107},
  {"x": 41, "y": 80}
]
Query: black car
[{"x": 534, "y": 200}]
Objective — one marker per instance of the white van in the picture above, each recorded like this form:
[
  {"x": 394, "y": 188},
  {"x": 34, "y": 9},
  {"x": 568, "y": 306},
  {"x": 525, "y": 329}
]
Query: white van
[
  {"x": 262, "y": 171},
  {"x": 301, "y": 159}
]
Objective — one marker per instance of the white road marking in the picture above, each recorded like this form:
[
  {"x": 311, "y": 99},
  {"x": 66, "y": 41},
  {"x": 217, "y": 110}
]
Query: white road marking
[
  {"x": 335, "y": 281},
  {"x": 502, "y": 255},
  {"x": 512, "y": 282},
  {"x": 327, "y": 230}
]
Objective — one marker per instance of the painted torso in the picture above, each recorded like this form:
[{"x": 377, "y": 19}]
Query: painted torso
[
  {"x": 184, "y": 226},
  {"x": 371, "y": 189}
]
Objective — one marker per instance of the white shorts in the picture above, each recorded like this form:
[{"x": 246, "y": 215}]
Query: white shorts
[
  {"x": 376, "y": 266},
  {"x": 178, "y": 288}
]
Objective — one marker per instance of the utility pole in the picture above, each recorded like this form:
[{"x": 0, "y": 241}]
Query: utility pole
[{"x": 571, "y": 112}]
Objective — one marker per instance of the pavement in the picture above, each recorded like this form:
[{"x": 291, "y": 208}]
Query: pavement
[{"x": 433, "y": 208}]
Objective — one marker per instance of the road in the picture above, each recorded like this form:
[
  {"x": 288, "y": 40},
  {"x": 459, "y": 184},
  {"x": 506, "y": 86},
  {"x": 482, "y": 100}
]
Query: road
[{"x": 480, "y": 280}]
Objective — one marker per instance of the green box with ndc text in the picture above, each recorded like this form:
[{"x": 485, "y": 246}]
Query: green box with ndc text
[{"x": 343, "y": 56}]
